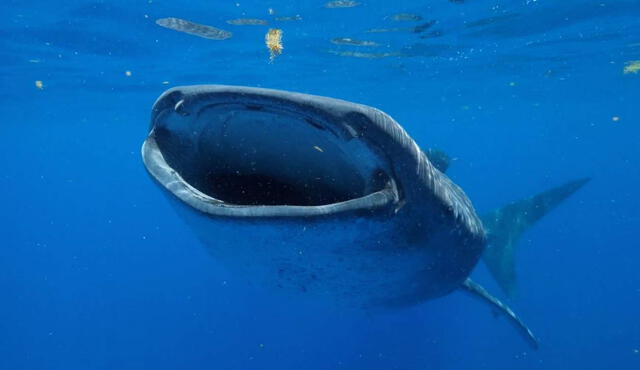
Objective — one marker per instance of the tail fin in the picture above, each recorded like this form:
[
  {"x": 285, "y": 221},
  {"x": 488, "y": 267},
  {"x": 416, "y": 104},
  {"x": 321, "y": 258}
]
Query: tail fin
[{"x": 505, "y": 225}]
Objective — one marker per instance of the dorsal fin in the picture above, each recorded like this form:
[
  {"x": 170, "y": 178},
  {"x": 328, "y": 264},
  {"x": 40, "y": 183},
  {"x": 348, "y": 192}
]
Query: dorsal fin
[
  {"x": 438, "y": 159},
  {"x": 505, "y": 225},
  {"x": 478, "y": 291}
]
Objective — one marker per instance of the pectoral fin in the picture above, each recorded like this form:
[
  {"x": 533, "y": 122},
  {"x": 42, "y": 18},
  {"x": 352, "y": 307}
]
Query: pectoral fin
[{"x": 478, "y": 291}]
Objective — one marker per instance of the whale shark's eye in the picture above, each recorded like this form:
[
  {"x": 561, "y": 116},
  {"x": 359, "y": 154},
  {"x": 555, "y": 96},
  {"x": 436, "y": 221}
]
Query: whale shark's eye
[{"x": 255, "y": 154}]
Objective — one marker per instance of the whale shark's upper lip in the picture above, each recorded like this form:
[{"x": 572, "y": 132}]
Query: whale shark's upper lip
[{"x": 237, "y": 151}]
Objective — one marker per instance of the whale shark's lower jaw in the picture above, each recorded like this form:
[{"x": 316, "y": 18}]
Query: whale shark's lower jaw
[{"x": 248, "y": 152}]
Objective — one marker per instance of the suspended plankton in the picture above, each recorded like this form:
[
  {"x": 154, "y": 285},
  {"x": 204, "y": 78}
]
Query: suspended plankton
[{"x": 273, "y": 40}]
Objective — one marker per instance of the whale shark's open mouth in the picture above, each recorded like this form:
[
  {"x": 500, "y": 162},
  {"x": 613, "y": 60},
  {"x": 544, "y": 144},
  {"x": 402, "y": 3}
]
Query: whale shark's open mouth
[{"x": 253, "y": 149}]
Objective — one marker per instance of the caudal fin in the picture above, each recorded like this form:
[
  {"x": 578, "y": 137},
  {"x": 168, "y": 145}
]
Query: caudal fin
[{"x": 506, "y": 225}]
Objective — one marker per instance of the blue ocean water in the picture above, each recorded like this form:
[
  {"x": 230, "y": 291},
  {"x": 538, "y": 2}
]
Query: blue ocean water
[{"x": 98, "y": 272}]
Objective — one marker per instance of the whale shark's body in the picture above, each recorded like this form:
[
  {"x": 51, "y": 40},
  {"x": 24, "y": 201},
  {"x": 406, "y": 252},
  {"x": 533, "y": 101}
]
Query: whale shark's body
[{"x": 326, "y": 197}]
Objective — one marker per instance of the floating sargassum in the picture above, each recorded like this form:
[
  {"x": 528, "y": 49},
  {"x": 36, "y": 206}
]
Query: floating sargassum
[
  {"x": 632, "y": 66},
  {"x": 248, "y": 22},
  {"x": 350, "y": 41},
  {"x": 341, "y": 4},
  {"x": 273, "y": 40},
  {"x": 196, "y": 29},
  {"x": 405, "y": 17}
]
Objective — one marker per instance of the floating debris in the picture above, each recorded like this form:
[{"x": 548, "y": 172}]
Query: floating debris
[
  {"x": 357, "y": 54},
  {"x": 296, "y": 17},
  {"x": 192, "y": 28},
  {"x": 318, "y": 148},
  {"x": 128, "y": 73},
  {"x": 39, "y": 85},
  {"x": 632, "y": 66},
  {"x": 405, "y": 17},
  {"x": 350, "y": 41},
  {"x": 615, "y": 119},
  {"x": 341, "y": 4},
  {"x": 271, "y": 11},
  {"x": 247, "y": 22},
  {"x": 273, "y": 40}
]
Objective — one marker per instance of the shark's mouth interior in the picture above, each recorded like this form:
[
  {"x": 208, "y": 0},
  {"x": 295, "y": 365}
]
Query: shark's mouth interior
[{"x": 261, "y": 155}]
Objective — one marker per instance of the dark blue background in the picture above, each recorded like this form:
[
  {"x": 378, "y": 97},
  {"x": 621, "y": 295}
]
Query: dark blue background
[{"x": 97, "y": 272}]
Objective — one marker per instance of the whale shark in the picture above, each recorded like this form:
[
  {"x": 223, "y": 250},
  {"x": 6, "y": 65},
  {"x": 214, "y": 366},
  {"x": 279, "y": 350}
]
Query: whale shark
[{"x": 328, "y": 198}]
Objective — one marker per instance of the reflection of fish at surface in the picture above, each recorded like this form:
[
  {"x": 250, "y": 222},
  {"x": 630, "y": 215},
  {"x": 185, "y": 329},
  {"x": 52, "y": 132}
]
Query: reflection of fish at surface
[
  {"x": 192, "y": 28},
  {"x": 425, "y": 26},
  {"x": 357, "y": 54},
  {"x": 431, "y": 35},
  {"x": 417, "y": 29},
  {"x": 247, "y": 22},
  {"x": 405, "y": 17},
  {"x": 341, "y": 4},
  {"x": 491, "y": 20},
  {"x": 296, "y": 17},
  {"x": 354, "y": 42},
  {"x": 383, "y": 30}
]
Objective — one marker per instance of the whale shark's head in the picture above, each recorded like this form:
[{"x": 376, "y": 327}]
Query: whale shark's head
[{"x": 239, "y": 151}]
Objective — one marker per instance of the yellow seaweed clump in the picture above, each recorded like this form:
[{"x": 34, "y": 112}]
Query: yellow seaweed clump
[
  {"x": 273, "y": 40},
  {"x": 632, "y": 66}
]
